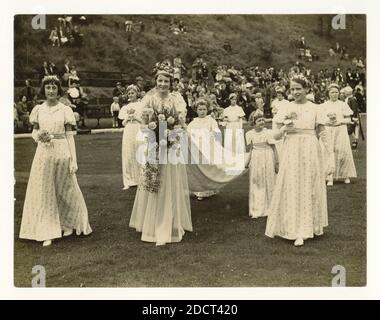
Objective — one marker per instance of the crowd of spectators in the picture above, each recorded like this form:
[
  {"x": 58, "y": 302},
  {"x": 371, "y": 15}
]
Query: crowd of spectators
[{"x": 65, "y": 33}]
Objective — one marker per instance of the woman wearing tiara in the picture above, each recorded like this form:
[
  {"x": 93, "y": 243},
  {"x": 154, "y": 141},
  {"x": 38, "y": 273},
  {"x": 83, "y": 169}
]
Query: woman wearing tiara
[
  {"x": 161, "y": 210},
  {"x": 298, "y": 208},
  {"x": 339, "y": 115},
  {"x": 54, "y": 202},
  {"x": 131, "y": 116}
]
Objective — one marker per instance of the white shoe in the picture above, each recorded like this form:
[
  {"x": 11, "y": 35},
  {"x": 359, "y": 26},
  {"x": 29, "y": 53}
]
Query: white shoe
[
  {"x": 330, "y": 183},
  {"x": 298, "y": 242},
  {"x": 160, "y": 244},
  {"x": 68, "y": 232},
  {"x": 199, "y": 198},
  {"x": 126, "y": 188},
  {"x": 46, "y": 243},
  {"x": 347, "y": 181}
]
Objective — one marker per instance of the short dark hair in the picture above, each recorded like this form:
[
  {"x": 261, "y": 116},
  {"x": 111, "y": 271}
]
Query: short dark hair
[{"x": 50, "y": 80}]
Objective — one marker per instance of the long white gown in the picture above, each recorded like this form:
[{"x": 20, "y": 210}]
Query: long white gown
[
  {"x": 164, "y": 216},
  {"x": 298, "y": 207},
  {"x": 262, "y": 174},
  {"x": 53, "y": 201},
  {"x": 130, "y": 166},
  {"x": 338, "y": 135}
]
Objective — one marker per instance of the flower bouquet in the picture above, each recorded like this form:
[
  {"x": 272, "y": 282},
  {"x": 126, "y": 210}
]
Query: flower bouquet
[
  {"x": 289, "y": 118},
  {"x": 332, "y": 118},
  {"x": 44, "y": 137},
  {"x": 167, "y": 126}
]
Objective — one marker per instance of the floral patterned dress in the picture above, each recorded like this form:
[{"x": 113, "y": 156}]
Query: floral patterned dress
[
  {"x": 298, "y": 207},
  {"x": 130, "y": 166},
  {"x": 262, "y": 174},
  {"x": 53, "y": 201},
  {"x": 338, "y": 135},
  {"x": 163, "y": 216}
]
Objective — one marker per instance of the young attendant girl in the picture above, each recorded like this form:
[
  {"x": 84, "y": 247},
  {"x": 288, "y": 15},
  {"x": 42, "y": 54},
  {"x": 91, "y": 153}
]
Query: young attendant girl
[
  {"x": 202, "y": 131},
  {"x": 298, "y": 208},
  {"x": 263, "y": 165},
  {"x": 233, "y": 116},
  {"x": 339, "y": 115},
  {"x": 131, "y": 116},
  {"x": 54, "y": 202}
]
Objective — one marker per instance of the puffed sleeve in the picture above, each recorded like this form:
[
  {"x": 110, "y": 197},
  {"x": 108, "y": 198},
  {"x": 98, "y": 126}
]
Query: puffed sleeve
[
  {"x": 69, "y": 116},
  {"x": 240, "y": 113},
  {"x": 214, "y": 125},
  {"x": 123, "y": 112},
  {"x": 248, "y": 137},
  {"x": 33, "y": 118},
  {"x": 269, "y": 137},
  {"x": 321, "y": 116},
  {"x": 346, "y": 110},
  {"x": 280, "y": 115},
  {"x": 180, "y": 104}
]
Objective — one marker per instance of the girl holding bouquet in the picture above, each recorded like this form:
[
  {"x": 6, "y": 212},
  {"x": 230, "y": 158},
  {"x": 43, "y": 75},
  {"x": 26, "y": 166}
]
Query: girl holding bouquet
[
  {"x": 54, "y": 202},
  {"x": 130, "y": 114},
  {"x": 298, "y": 208},
  {"x": 263, "y": 165},
  {"x": 339, "y": 115},
  {"x": 161, "y": 210}
]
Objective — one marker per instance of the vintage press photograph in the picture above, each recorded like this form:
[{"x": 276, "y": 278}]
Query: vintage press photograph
[{"x": 190, "y": 150}]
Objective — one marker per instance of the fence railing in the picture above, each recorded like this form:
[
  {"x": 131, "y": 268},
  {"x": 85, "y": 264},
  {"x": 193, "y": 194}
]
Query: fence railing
[{"x": 88, "y": 78}]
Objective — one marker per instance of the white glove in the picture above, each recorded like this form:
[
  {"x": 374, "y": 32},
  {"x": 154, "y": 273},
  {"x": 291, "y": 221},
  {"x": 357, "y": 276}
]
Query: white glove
[{"x": 73, "y": 161}]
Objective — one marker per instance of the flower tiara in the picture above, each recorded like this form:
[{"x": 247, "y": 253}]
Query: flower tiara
[
  {"x": 163, "y": 68},
  {"x": 50, "y": 78},
  {"x": 302, "y": 78}
]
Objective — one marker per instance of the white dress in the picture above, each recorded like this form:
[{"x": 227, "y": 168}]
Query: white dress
[
  {"x": 202, "y": 132},
  {"x": 262, "y": 174},
  {"x": 338, "y": 135},
  {"x": 163, "y": 216},
  {"x": 130, "y": 165},
  {"x": 278, "y": 105},
  {"x": 234, "y": 135},
  {"x": 53, "y": 201},
  {"x": 298, "y": 207}
]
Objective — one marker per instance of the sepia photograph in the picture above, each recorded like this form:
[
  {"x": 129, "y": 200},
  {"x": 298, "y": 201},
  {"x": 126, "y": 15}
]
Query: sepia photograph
[{"x": 190, "y": 150}]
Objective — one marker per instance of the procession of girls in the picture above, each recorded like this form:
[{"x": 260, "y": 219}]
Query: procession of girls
[{"x": 288, "y": 164}]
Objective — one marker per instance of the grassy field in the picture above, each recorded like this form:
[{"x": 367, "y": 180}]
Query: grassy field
[{"x": 226, "y": 249}]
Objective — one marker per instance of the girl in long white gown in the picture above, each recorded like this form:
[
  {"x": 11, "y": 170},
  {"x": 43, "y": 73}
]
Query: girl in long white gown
[
  {"x": 339, "y": 115},
  {"x": 131, "y": 116},
  {"x": 263, "y": 165},
  {"x": 234, "y": 136},
  {"x": 298, "y": 208},
  {"x": 163, "y": 215},
  {"x": 202, "y": 131},
  {"x": 54, "y": 202}
]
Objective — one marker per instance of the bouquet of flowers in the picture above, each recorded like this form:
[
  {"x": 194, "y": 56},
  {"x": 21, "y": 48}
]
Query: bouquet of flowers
[
  {"x": 167, "y": 125},
  {"x": 290, "y": 117},
  {"x": 44, "y": 137},
  {"x": 131, "y": 116},
  {"x": 332, "y": 117}
]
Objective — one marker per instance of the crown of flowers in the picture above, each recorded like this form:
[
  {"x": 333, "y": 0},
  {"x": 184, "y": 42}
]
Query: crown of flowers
[
  {"x": 50, "y": 78},
  {"x": 301, "y": 77},
  {"x": 164, "y": 68}
]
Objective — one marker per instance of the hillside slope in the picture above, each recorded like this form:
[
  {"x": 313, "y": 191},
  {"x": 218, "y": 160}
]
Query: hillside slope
[{"x": 265, "y": 40}]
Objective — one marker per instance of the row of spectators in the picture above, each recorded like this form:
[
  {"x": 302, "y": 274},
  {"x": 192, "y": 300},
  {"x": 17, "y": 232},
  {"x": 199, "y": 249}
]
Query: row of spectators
[{"x": 65, "y": 33}]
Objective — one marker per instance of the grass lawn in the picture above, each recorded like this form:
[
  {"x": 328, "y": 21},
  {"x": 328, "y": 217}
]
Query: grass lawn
[{"x": 226, "y": 249}]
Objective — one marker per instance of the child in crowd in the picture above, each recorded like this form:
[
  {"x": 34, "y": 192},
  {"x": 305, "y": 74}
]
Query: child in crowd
[
  {"x": 115, "y": 108},
  {"x": 263, "y": 165}
]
